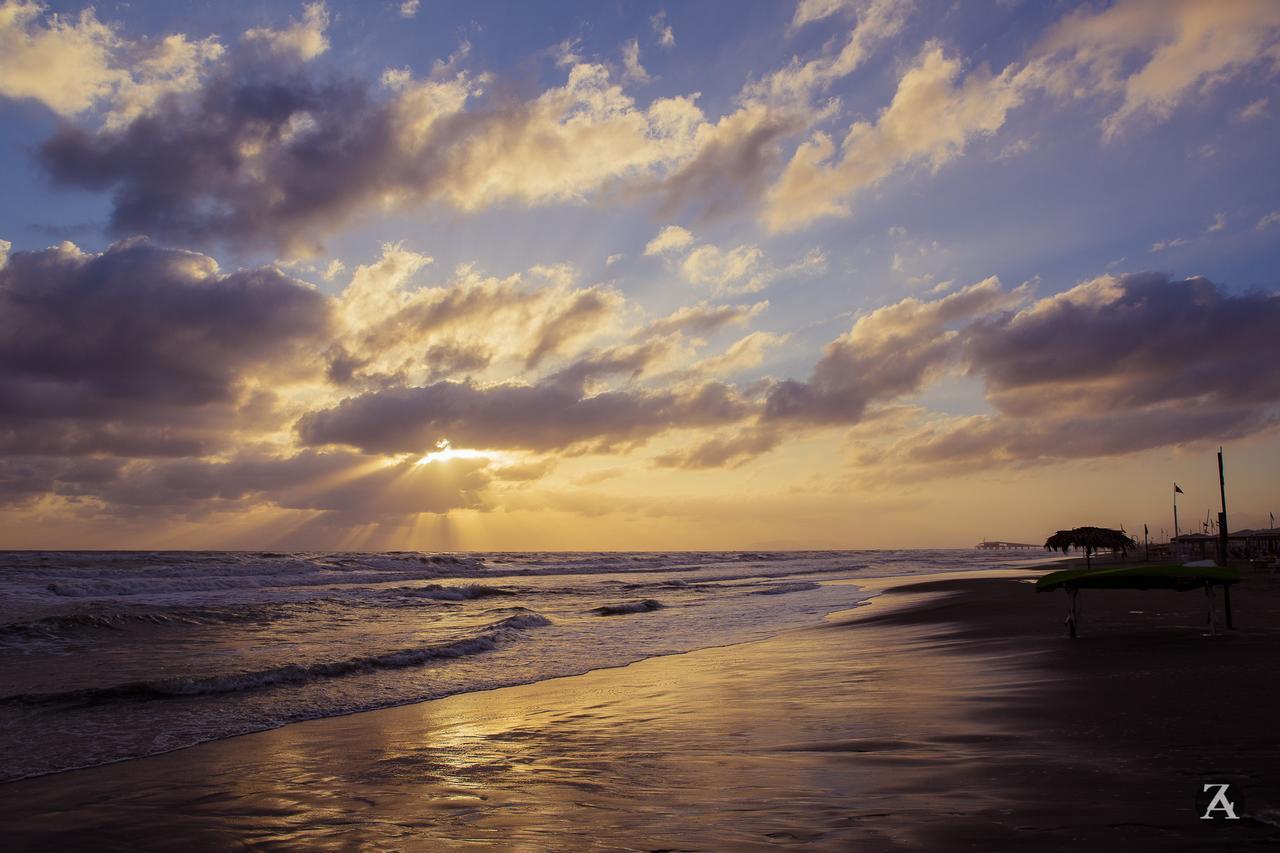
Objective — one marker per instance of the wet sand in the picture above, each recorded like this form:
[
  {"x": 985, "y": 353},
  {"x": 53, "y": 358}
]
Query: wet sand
[{"x": 948, "y": 714}]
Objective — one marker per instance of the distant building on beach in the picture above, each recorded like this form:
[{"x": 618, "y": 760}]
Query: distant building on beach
[
  {"x": 994, "y": 545},
  {"x": 1260, "y": 542}
]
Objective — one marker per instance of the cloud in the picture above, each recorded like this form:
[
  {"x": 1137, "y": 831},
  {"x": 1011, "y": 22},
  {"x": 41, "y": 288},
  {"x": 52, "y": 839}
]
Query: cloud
[
  {"x": 742, "y": 269},
  {"x": 74, "y": 64},
  {"x": 672, "y": 238},
  {"x": 666, "y": 35},
  {"x": 747, "y": 352},
  {"x": 394, "y": 331},
  {"x": 1113, "y": 366},
  {"x": 1130, "y": 341},
  {"x": 1182, "y": 47},
  {"x": 737, "y": 270},
  {"x": 809, "y": 11},
  {"x": 346, "y": 485},
  {"x": 266, "y": 153},
  {"x": 956, "y": 445},
  {"x": 524, "y": 472},
  {"x": 891, "y": 352},
  {"x": 1252, "y": 110},
  {"x": 731, "y": 163},
  {"x": 65, "y": 63},
  {"x": 1172, "y": 243},
  {"x": 1268, "y": 220},
  {"x": 1154, "y": 55},
  {"x": 552, "y": 416},
  {"x": 631, "y": 62},
  {"x": 703, "y": 319},
  {"x": 141, "y": 350},
  {"x": 580, "y": 317},
  {"x": 878, "y": 21},
  {"x": 453, "y": 358},
  {"x": 729, "y": 450},
  {"x": 304, "y": 39},
  {"x": 933, "y": 115},
  {"x": 409, "y": 8},
  {"x": 630, "y": 360},
  {"x": 668, "y": 349},
  {"x": 1219, "y": 223},
  {"x": 254, "y": 162}
]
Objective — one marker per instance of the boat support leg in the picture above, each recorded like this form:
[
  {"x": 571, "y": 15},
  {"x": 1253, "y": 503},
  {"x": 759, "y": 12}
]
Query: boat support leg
[{"x": 1208, "y": 602}]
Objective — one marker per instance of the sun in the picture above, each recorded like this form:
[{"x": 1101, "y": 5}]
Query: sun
[{"x": 445, "y": 451}]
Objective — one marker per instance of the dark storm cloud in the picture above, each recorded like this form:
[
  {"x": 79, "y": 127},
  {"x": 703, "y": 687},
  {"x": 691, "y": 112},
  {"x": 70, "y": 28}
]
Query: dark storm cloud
[
  {"x": 1117, "y": 365},
  {"x": 142, "y": 350},
  {"x": 1131, "y": 341},
  {"x": 262, "y": 158},
  {"x": 554, "y": 416},
  {"x": 338, "y": 482},
  {"x": 268, "y": 153},
  {"x": 24, "y": 479}
]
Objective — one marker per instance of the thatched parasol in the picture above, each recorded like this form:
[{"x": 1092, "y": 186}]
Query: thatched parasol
[{"x": 1089, "y": 540}]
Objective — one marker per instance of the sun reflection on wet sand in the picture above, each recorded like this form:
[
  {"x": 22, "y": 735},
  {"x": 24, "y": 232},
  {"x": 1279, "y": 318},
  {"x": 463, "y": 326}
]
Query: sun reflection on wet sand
[{"x": 813, "y": 736}]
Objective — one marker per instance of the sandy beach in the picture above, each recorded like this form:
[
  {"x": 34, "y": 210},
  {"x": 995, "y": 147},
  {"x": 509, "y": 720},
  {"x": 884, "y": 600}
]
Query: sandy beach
[{"x": 949, "y": 713}]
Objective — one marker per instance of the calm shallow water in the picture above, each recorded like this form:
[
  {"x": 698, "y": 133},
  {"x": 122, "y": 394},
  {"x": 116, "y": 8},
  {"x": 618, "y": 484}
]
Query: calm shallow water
[{"x": 113, "y": 655}]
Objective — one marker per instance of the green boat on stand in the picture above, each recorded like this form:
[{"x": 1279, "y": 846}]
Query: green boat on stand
[{"x": 1174, "y": 577}]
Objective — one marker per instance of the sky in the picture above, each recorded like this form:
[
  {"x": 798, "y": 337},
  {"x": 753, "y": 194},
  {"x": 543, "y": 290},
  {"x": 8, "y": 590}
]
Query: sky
[{"x": 434, "y": 275}]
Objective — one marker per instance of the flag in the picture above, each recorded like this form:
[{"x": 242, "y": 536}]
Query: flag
[
  {"x": 1145, "y": 532},
  {"x": 1178, "y": 489}
]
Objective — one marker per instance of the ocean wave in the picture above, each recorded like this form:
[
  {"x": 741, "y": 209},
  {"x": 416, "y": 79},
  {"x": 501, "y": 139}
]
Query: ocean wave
[
  {"x": 443, "y": 592},
  {"x": 645, "y": 606},
  {"x": 784, "y": 588},
  {"x": 64, "y": 624},
  {"x": 493, "y": 635}
]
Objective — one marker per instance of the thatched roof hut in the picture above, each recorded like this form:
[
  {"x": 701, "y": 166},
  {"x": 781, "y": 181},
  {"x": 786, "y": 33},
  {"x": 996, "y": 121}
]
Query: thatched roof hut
[{"x": 1090, "y": 540}]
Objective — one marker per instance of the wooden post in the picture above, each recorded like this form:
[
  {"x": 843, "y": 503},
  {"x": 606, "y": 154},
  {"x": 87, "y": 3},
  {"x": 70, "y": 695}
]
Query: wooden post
[
  {"x": 1208, "y": 600},
  {"x": 1226, "y": 603}
]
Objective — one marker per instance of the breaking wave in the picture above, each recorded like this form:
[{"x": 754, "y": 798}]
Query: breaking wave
[
  {"x": 645, "y": 606},
  {"x": 502, "y": 631},
  {"x": 784, "y": 588}
]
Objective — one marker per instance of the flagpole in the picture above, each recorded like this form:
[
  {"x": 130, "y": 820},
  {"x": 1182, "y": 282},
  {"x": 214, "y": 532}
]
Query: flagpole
[
  {"x": 1175, "y": 511},
  {"x": 1223, "y": 533}
]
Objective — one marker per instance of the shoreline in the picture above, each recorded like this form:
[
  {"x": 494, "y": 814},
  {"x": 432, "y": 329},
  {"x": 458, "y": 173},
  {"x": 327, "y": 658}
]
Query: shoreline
[
  {"x": 84, "y": 762},
  {"x": 953, "y": 702}
]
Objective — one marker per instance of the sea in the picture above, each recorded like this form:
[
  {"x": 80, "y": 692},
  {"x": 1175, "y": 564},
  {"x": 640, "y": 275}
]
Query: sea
[{"x": 108, "y": 656}]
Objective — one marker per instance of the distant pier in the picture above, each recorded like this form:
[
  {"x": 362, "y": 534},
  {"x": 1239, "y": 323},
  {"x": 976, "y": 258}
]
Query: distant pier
[{"x": 993, "y": 545}]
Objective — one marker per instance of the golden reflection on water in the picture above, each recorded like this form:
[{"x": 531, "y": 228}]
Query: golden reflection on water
[{"x": 808, "y": 738}]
